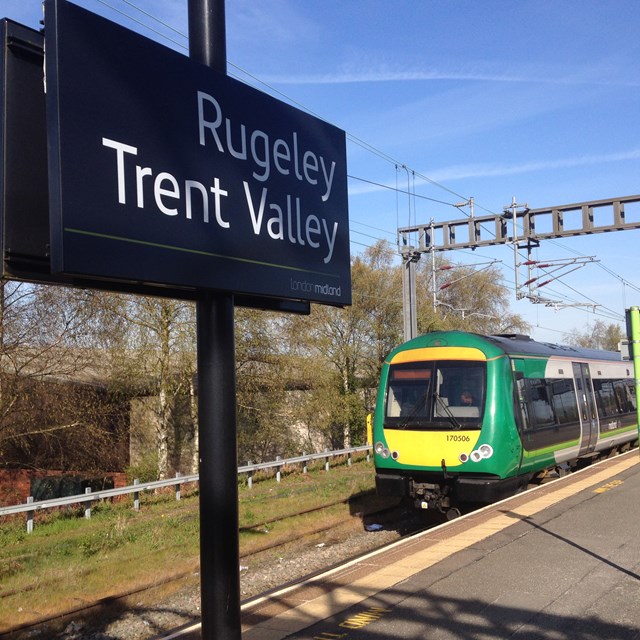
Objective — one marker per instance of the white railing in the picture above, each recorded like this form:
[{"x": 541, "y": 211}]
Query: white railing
[{"x": 31, "y": 506}]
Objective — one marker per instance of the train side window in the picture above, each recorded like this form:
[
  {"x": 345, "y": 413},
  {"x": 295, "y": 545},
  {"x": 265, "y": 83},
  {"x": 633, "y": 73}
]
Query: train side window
[
  {"x": 540, "y": 408},
  {"x": 520, "y": 401},
  {"x": 564, "y": 401},
  {"x": 622, "y": 389},
  {"x": 605, "y": 398},
  {"x": 631, "y": 393}
]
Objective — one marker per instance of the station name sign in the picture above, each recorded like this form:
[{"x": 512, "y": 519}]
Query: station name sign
[{"x": 164, "y": 171}]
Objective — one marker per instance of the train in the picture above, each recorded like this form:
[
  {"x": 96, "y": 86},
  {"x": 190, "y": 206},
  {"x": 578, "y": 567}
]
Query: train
[{"x": 463, "y": 418}]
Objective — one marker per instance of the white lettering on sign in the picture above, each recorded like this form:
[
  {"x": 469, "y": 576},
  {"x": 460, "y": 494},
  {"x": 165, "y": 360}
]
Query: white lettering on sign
[
  {"x": 284, "y": 155},
  {"x": 121, "y": 149},
  {"x": 297, "y": 231},
  {"x": 284, "y": 220},
  {"x": 165, "y": 188}
]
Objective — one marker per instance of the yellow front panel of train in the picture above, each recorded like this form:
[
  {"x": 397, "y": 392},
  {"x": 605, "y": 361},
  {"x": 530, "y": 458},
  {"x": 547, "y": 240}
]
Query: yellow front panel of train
[{"x": 428, "y": 448}]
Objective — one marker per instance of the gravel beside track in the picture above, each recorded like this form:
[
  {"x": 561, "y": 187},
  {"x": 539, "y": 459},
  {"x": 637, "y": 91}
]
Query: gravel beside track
[{"x": 148, "y": 614}]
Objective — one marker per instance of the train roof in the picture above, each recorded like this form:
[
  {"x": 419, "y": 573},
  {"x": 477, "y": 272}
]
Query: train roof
[
  {"x": 513, "y": 344},
  {"x": 522, "y": 344}
]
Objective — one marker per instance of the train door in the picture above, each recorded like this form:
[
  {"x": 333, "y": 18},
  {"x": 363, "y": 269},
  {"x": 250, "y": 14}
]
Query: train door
[{"x": 586, "y": 406}]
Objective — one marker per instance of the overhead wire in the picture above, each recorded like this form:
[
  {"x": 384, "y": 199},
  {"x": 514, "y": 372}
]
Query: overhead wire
[
  {"x": 354, "y": 139},
  {"x": 146, "y": 26}
]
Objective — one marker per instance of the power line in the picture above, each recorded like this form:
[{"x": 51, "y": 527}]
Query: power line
[
  {"x": 369, "y": 226},
  {"x": 400, "y": 191},
  {"x": 146, "y": 26},
  {"x": 354, "y": 139}
]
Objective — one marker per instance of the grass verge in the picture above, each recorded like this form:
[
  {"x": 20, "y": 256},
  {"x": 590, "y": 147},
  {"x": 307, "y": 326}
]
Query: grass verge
[{"x": 68, "y": 560}]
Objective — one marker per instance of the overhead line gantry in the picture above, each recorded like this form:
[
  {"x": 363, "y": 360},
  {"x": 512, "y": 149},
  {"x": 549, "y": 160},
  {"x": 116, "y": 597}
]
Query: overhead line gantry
[{"x": 483, "y": 231}]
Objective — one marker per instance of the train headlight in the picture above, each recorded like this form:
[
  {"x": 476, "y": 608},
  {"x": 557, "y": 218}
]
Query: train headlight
[
  {"x": 482, "y": 452},
  {"x": 381, "y": 450},
  {"x": 485, "y": 450},
  {"x": 463, "y": 457}
]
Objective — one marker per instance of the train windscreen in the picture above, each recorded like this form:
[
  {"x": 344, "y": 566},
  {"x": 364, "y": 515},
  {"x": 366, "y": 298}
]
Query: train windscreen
[{"x": 435, "y": 395}]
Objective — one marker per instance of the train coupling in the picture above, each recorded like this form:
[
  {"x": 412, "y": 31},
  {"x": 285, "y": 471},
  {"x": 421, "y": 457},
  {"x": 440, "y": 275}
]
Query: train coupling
[{"x": 430, "y": 496}]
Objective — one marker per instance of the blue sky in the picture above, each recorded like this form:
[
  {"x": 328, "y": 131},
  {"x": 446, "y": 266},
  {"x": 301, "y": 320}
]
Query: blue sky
[{"x": 534, "y": 99}]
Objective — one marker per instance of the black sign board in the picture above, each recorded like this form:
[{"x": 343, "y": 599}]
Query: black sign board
[
  {"x": 24, "y": 201},
  {"x": 162, "y": 171},
  {"x": 24, "y": 196}
]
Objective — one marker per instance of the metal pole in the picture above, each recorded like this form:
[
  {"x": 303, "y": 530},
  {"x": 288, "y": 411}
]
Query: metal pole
[
  {"x": 515, "y": 245},
  {"x": 409, "y": 294},
  {"x": 207, "y": 33},
  {"x": 219, "y": 544},
  {"x": 633, "y": 331}
]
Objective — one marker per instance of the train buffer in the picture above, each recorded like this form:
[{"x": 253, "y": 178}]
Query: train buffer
[{"x": 559, "y": 562}]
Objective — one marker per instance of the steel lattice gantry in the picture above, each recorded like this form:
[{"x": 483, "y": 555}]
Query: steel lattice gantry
[
  {"x": 597, "y": 216},
  {"x": 470, "y": 233}
]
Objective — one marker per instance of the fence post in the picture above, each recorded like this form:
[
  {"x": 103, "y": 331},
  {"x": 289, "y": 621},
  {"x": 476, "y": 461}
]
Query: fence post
[
  {"x": 30, "y": 516},
  {"x": 349, "y": 459},
  {"x": 249, "y": 475},
  {"x": 87, "y": 509},
  {"x": 278, "y": 473},
  {"x": 326, "y": 461},
  {"x": 304, "y": 463},
  {"x": 136, "y": 496},
  {"x": 177, "y": 487}
]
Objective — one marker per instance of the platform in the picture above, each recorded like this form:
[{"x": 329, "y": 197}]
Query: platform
[{"x": 559, "y": 562}]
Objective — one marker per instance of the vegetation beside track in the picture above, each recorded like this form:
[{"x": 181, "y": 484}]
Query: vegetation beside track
[{"x": 68, "y": 561}]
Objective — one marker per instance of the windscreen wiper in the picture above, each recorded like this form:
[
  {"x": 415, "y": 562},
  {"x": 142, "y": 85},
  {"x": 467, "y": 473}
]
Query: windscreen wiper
[
  {"x": 419, "y": 404},
  {"x": 445, "y": 406}
]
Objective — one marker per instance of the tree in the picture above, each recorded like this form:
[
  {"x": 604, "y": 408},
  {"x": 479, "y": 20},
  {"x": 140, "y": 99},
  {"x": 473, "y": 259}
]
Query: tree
[
  {"x": 599, "y": 335},
  {"x": 264, "y": 378},
  {"x": 153, "y": 356},
  {"x": 344, "y": 348},
  {"x": 54, "y": 411},
  {"x": 467, "y": 299}
]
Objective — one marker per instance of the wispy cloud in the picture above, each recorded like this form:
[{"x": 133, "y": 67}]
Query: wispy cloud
[
  {"x": 466, "y": 171},
  {"x": 459, "y": 172},
  {"x": 379, "y": 75}
]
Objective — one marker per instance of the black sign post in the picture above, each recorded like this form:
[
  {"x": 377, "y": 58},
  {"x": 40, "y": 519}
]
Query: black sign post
[
  {"x": 219, "y": 544},
  {"x": 163, "y": 175}
]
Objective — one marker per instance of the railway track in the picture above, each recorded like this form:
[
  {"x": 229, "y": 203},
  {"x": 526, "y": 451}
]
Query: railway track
[
  {"x": 266, "y": 567},
  {"x": 281, "y": 558}
]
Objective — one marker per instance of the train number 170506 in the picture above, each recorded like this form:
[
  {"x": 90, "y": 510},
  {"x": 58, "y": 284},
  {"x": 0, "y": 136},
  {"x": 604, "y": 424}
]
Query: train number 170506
[{"x": 458, "y": 438}]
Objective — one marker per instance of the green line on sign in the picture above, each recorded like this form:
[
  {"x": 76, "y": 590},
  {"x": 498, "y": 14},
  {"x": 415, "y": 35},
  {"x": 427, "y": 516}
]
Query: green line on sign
[{"x": 195, "y": 251}]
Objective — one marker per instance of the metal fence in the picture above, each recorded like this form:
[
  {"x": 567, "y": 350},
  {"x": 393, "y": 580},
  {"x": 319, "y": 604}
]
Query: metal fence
[{"x": 137, "y": 487}]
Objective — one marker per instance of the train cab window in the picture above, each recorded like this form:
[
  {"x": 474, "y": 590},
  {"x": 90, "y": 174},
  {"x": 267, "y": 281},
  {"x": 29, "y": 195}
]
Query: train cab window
[
  {"x": 408, "y": 391},
  {"x": 459, "y": 389},
  {"x": 435, "y": 395}
]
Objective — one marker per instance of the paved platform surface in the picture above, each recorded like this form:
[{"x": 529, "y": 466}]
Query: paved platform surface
[{"x": 561, "y": 562}]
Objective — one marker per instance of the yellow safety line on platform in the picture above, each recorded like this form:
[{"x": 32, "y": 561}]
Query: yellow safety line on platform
[{"x": 340, "y": 598}]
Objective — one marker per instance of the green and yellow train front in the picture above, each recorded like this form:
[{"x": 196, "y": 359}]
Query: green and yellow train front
[{"x": 444, "y": 429}]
